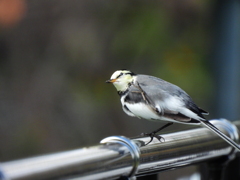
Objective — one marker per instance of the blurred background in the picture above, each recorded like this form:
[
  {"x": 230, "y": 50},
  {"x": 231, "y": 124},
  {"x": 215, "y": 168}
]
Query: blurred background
[{"x": 56, "y": 55}]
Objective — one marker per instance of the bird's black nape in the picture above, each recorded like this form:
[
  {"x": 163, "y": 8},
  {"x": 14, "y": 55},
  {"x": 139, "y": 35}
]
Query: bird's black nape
[{"x": 130, "y": 72}]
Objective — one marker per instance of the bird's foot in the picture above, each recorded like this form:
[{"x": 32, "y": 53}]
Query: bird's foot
[{"x": 153, "y": 135}]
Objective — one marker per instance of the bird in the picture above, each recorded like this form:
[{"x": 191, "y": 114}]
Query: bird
[{"x": 155, "y": 99}]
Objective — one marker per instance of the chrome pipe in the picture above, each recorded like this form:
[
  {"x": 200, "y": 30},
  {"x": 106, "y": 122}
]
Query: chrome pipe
[{"x": 119, "y": 156}]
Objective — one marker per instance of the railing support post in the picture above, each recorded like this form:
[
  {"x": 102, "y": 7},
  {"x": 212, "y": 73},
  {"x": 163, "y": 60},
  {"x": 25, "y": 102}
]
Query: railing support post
[{"x": 217, "y": 168}]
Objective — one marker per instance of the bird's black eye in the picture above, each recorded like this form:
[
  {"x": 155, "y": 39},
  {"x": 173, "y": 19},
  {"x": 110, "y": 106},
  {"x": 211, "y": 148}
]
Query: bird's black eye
[{"x": 119, "y": 75}]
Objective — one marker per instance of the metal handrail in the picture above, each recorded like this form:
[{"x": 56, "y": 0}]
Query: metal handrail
[{"x": 119, "y": 156}]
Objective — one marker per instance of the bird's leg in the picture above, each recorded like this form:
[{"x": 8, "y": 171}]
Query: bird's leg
[{"x": 154, "y": 133}]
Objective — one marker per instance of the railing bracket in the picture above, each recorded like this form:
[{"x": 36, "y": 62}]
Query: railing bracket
[{"x": 132, "y": 147}]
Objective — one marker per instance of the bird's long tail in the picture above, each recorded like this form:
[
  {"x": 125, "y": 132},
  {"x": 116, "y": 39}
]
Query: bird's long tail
[{"x": 220, "y": 134}]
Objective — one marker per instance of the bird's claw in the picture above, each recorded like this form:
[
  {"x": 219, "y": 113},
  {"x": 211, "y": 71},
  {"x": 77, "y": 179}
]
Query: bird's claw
[{"x": 153, "y": 135}]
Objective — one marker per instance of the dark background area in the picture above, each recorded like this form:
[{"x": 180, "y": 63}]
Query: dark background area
[{"x": 55, "y": 56}]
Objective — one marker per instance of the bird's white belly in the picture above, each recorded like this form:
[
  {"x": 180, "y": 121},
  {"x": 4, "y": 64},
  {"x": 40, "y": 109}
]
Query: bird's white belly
[{"x": 141, "y": 110}]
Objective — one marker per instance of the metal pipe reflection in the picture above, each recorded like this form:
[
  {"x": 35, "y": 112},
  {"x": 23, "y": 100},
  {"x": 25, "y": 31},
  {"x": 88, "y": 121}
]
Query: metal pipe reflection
[{"x": 120, "y": 156}]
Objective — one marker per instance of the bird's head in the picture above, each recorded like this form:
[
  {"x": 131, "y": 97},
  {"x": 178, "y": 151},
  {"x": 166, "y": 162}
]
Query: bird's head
[{"x": 121, "y": 79}]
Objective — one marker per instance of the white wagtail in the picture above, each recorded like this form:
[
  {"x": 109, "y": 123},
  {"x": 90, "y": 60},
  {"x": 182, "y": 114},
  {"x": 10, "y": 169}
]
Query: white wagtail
[{"x": 154, "y": 99}]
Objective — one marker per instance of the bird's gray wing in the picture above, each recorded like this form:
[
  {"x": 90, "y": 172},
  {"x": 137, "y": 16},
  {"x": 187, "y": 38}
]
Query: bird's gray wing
[{"x": 158, "y": 91}]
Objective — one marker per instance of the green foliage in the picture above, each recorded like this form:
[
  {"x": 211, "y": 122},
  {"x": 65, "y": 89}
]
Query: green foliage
[{"x": 54, "y": 64}]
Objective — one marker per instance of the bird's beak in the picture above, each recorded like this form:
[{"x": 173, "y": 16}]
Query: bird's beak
[{"x": 111, "y": 80}]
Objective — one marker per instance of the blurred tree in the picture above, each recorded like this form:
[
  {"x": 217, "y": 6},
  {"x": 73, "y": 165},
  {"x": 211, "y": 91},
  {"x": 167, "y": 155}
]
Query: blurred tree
[{"x": 57, "y": 58}]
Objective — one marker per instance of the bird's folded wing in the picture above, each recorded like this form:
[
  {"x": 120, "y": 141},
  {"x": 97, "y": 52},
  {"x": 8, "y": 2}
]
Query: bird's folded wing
[
  {"x": 176, "y": 116},
  {"x": 157, "y": 97}
]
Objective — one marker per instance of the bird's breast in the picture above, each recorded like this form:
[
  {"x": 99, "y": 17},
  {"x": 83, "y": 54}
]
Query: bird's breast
[{"x": 142, "y": 110}]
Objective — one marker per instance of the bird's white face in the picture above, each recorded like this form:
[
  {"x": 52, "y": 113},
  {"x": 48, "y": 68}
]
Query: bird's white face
[{"x": 121, "y": 79}]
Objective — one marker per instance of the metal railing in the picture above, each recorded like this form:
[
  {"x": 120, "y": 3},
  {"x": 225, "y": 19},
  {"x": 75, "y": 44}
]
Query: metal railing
[{"x": 118, "y": 156}]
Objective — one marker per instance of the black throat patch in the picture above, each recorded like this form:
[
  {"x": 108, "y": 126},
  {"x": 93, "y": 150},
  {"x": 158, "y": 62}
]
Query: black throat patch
[{"x": 122, "y": 93}]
